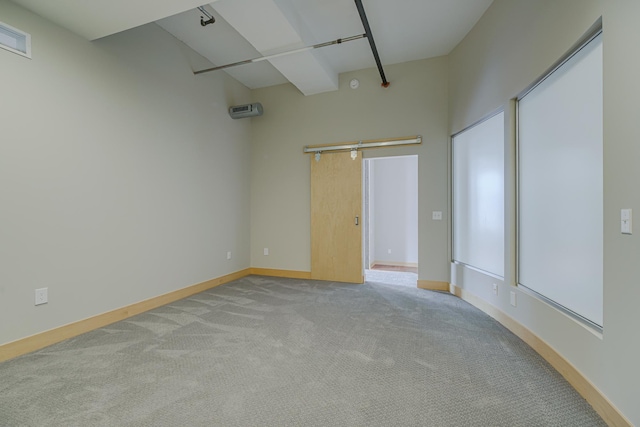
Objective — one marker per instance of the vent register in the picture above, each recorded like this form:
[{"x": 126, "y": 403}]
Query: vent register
[
  {"x": 14, "y": 40},
  {"x": 248, "y": 110}
]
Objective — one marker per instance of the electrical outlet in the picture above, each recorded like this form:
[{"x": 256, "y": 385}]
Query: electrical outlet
[
  {"x": 42, "y": 296},
  {"x": 266, "y": 251},
  {"x": 436, "y": 215},
  {"x": 495, "y": 289},
  {"x": 513, "y": 298},
  {"x": 388, "y": 251},
  {"x": 228, "y": 254}
]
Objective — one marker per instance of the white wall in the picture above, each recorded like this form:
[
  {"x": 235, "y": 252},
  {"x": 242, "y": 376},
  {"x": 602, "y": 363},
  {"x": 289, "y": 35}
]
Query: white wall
[
  {"x": 415, "y": 103},
  {"x": 121, "y": 175},
  {"x": 395, "y": 207},
  {"x": 512, "y": 45}
]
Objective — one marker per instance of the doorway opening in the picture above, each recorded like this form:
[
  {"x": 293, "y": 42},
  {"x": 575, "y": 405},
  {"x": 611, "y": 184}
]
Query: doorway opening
[{"x": 391, "y": 220}]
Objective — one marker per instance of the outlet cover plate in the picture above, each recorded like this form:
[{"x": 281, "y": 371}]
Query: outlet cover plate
[{"x": 42, "y": 296}]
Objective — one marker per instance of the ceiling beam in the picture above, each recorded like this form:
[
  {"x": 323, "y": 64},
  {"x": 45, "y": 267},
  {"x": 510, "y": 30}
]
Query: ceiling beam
[
  {"x": 273, "y": 34},
  {"x": 95, "y": 19}
]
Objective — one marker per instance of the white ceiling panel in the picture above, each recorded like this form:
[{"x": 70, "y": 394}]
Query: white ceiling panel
[
  {"x": 323, "y": 21},
  {"x": 271, "y": 33},
  {"x": 407, "y": 30},
  {"x": 404, "y": 30}
]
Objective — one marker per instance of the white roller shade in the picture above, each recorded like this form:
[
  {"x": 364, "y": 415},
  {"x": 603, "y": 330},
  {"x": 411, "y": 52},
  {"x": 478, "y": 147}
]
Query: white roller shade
[
  {"x": 478, "y": 196},
  {"x": 561, "y": 185}
]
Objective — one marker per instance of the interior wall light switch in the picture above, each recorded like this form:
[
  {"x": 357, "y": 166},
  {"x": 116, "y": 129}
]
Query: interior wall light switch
[{"x": 626, "y": 221}]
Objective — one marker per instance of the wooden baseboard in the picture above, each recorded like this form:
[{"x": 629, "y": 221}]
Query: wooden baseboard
[
  {"x": 53, "y": 336},
  {"x": 395, "y": 264},
  {"x": 602, "y": 405},
  {"x": 289, "y": 274},
  {"x": 431, "y": 285}
]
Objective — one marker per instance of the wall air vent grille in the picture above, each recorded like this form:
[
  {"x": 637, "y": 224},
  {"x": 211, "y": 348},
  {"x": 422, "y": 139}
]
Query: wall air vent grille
[
  {"x": 248, "y": 110},
  {"x": 14, "y": 40}
]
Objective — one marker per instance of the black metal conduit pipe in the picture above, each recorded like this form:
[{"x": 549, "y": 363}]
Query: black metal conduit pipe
[{"x": 367, "y": 31}]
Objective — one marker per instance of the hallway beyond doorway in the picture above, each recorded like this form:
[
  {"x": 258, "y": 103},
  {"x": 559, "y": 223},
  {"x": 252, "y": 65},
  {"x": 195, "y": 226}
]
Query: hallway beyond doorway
[
  {"x": 402, "y": 268},
  {"x": 396, "y": 278}
]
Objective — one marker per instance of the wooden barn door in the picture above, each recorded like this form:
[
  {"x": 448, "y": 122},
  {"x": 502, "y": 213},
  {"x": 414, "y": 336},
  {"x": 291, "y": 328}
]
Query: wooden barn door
[{"x": 336, "y": 218}]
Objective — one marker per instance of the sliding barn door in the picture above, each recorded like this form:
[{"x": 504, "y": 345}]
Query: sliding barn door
[{"x": 336, "y": 218}]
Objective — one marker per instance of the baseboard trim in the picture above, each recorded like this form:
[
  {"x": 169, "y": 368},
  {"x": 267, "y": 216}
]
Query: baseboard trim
[
  {"x": 289, "y": 274},
  {"x": 53, "y": 336},
  {"x": 432, "y": 285},
  {"x": 602, "y": 405},
  {"x": 395, "y": 264}
]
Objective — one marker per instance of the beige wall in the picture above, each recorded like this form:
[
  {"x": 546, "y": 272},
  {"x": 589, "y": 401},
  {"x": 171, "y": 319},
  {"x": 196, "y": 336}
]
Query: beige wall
[
  {"x": 415, "y": 103},
  {"x": 512, "y": 45},
  {"x": 122, "y": 177}
]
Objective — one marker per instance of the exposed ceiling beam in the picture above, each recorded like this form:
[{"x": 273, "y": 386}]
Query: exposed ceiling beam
[
  {"x": 272, "y": 34},
  {"x": 93, "y": 19},
  {"x": 221, "y": 44}
]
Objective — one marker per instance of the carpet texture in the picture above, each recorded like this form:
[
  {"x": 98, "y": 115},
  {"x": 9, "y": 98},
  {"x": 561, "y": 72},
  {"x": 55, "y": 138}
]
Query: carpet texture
[{"x": 284, "y": 352}]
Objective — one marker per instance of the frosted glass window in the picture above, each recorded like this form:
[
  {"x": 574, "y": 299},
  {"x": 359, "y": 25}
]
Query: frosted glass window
[
  {"x": 560, "y": 168},
  {"x": 478, "y": 196},
  {"x": 14, "y": 40}
]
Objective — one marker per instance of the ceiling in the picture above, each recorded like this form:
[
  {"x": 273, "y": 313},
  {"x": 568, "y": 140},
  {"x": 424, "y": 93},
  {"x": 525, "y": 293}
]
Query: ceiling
[{"x": 404, "y": 30}]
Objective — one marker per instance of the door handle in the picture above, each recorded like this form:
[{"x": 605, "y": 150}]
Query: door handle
[{"x": 357, "y": 220}]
